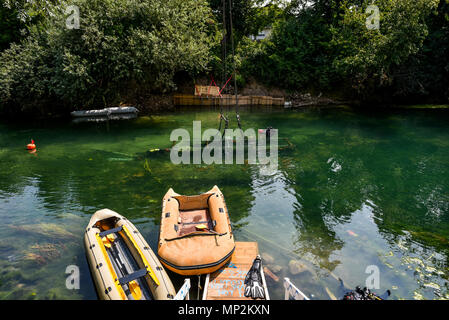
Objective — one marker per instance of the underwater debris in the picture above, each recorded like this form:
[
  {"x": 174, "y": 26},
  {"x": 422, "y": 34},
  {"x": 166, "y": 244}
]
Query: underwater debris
[{"x": 270, "y": 274}]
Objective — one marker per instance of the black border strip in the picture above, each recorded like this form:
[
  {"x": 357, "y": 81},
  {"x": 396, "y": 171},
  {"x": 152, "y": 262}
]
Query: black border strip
[{"x": 201, "y": 266}]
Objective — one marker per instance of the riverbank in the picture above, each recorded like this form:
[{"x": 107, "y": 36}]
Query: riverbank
[{"x": 154, "y": 103}]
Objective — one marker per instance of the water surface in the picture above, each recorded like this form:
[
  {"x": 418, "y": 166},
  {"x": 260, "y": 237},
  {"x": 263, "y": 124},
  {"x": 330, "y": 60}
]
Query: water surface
[{"x": 354, "y": 189}]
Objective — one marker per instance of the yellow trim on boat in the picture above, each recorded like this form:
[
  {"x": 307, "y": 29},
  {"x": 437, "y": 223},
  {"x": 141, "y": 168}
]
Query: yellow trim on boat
[
  {"x": 135, "y": 290},
  {"x": 145, "y": 262},
  {"x": 111, "y": 269}
]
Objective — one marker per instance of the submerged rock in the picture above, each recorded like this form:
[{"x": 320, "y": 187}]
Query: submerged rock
[
  {"x": 50, "y": 230},
  {"x": 35, "y": 258},
  {"x": 44, "y": 253},
  {"x": 267, "y": 258},
  {"x": 276, "y": 268},
  {"x": 295, "y": 267}
]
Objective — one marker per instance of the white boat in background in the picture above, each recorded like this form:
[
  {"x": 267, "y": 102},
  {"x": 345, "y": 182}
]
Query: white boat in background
[
  {"x": 107, "y": 112},
  {"x": 123, "y": 116}
]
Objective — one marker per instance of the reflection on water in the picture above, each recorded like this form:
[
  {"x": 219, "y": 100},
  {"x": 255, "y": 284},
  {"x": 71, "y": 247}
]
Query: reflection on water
[{"x": 354, "y": 190}]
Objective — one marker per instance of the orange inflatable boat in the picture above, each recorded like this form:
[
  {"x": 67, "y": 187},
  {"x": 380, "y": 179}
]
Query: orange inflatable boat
[{"x": 195, "y": 234}]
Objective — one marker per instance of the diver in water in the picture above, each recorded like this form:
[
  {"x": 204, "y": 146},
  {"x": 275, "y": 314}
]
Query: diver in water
[{"x": 253, "y": 281}]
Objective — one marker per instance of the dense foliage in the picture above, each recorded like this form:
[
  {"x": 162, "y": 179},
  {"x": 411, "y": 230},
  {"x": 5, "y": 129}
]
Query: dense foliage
[
  {"x": 10, "y": 26},
  {"x": 121, "y": 46},
  {"x": 124, "y": 47},
  {"x": 327, "y": 45}
]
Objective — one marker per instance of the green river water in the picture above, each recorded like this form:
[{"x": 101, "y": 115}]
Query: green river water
[{"x": 354, "y": 189}]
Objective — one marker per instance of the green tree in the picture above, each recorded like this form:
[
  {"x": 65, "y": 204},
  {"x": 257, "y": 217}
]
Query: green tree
[
  {"x": 243, "y": 12},
  {"x": 17, "y": 16},
  {"x": 122, "y": 47},
  {"x": 426, "y": 74},
  {"x": 10, "y": 26},
  {"x": 368, "y": 58},
  {"x": 298, "y": 53}
]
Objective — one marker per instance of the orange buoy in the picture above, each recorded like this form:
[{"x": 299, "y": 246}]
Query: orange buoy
[{"x": 31, "y": 146}]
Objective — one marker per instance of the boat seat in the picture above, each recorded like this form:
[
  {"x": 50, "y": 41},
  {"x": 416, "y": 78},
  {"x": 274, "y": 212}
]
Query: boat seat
[
  {"x": 191, "y": 218},
  {"x": 133, "y": 276},
  {"x": 105, "y": 233},
  {"x": 199, "y": 222}
]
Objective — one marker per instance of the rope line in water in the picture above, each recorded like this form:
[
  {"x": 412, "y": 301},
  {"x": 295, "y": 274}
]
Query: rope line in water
[
  {"x": 289, "y": 252},
  {"x": 295, "y": 255}
]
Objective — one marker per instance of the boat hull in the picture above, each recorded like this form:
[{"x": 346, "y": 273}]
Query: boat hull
[
  {"x": 104, "y": 269},
  {"x": 184, "y": 249}
]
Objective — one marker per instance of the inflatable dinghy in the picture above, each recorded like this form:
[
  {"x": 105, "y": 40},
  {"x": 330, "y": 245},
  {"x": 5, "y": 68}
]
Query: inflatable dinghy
[
  {"x": 121, "y": 262},
  {"x": 195, "y": 234}
]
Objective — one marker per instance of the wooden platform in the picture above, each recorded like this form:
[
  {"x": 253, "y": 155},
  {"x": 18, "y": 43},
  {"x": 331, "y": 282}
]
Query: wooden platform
[
  {"x": 225, "y": 100},
  {"x": 228, "y": 282}
]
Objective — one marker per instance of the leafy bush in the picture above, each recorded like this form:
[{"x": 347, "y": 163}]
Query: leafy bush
[
  {"x": 121, "y": 44},
  {"x": 326, "y": 44},
  {"x": 367, "y": 57},
  {"x": 297, "y": 55}
]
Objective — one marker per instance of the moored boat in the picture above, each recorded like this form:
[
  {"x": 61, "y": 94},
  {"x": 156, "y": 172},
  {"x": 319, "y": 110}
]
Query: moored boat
[
  {"x": 104, "y": 112},
  {"x": 195, "y": 233},
  {"x": 122, "y": 263}
]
